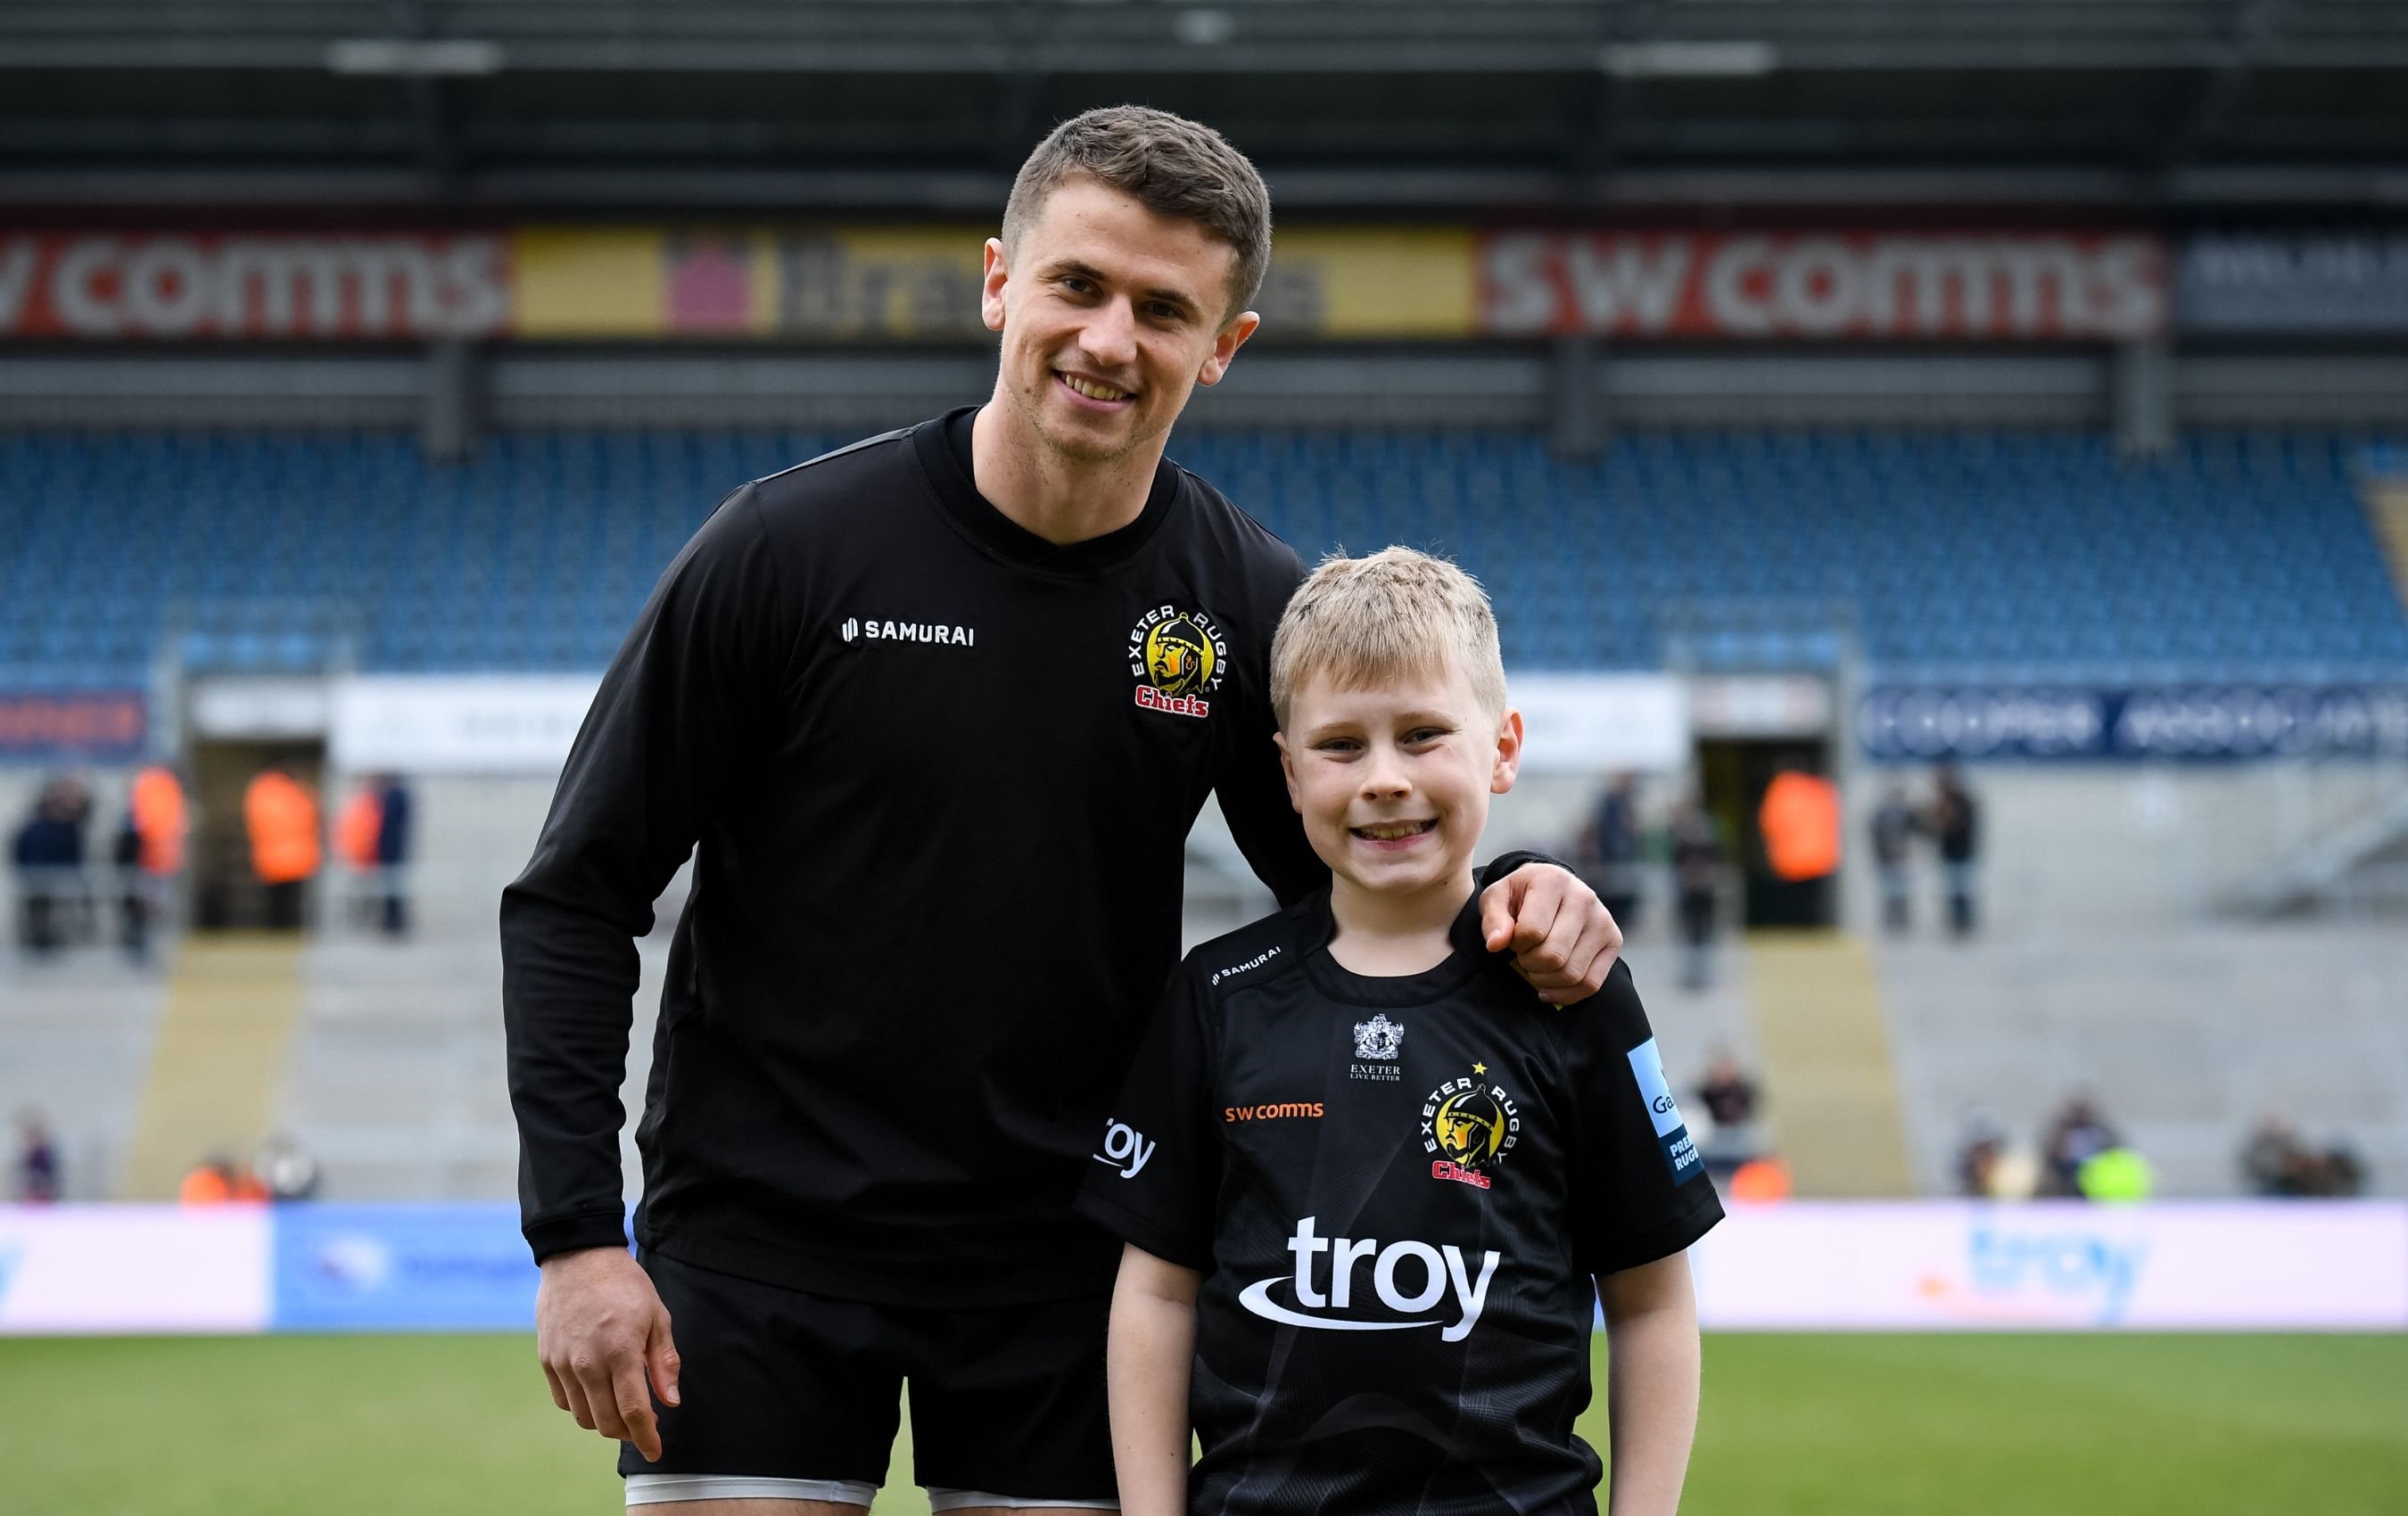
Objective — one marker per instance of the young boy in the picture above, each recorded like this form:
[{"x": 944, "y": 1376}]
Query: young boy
[{"x": 1365, "y": 1178}]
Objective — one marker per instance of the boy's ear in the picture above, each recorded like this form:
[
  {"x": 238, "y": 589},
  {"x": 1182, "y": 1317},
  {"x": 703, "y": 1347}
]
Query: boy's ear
[
  {"x": 1287, "y": 771},
  {"x": 1509, "y": 752}
]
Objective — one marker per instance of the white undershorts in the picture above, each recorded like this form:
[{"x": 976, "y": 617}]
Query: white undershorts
[{"x": 659, "y": 1489}]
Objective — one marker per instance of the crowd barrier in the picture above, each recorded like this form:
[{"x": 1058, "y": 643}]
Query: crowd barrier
[{"x": 1800, "y": 1266}]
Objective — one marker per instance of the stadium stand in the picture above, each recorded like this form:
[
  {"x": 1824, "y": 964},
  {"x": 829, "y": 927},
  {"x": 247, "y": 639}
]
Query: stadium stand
[{"x": 2022, "y": 556}]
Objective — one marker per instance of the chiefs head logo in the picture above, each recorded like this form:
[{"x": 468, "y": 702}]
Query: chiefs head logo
[
  {"x": 1469, "y": 1126},
  {"x": 1176, "y": 656}
]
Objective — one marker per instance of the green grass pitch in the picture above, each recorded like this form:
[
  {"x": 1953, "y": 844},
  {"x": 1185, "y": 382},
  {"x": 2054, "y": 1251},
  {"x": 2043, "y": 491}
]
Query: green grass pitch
[{"x": 1808, "y": 1426}]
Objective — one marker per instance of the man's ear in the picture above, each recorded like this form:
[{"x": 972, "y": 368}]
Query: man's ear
[
  {"x": 990, "y": 284},
  {"x": 1287, "y": 770},
  {"x": 1509, "y": 753},
  {"x": 1225, "y": 343}
]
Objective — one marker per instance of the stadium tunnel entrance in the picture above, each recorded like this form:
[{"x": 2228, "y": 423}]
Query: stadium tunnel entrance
[
  {"x": 227, "y": 891},
  {"x": 1735, "y": 778}
]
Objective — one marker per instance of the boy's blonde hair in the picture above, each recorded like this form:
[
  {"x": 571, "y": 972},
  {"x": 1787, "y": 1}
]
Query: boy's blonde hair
[{"x": 1396, "y": 614}]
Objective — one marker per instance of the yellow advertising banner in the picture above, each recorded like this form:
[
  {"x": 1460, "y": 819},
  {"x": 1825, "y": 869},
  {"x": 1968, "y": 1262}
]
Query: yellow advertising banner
[{"x": 921, "y": 284}]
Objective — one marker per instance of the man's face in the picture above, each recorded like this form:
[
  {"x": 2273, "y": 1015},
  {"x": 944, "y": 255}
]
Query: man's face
[
  {"x": 1393, "y": 784},
  {"x": 1110, "y": 315}
]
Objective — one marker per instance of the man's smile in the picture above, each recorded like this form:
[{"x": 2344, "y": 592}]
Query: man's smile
[{"x": 1096, "y": 390}]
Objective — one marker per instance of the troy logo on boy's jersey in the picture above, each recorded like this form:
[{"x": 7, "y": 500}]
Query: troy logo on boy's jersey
[{"x": 1430, "y": 1271}]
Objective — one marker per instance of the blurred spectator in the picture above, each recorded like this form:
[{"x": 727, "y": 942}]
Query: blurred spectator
[
  {"x": 286, "y": 1168},
  {"x": 1894, "y": 828},
  {"x": 48, "y": 852},
  {"x": 37, "y": 1160},
  {"x": 355, "y": 842},
  {"x": 1800, "y": 819},
  {"x": 2116, "y": 1176},
  {"x": 216, "y": 1182},
  {"x": 2078, "y": 1134},
  {"x": 1977, "y": 1159},
  {"x": 1956, "y": 823},
  {"x": 208, "y": 1183},
  {"x": 392, "y": 842},
  {"x": 1729, "y": 1098},
  {"x": 282, "y": 817},
  {"x": 2276, "y": 1162},
  {"x": 157, "y": 804},
  {"x": 1697, "y": 871},
  {"x": 1614, "y": 841},
  {"x": 356, "y": 826},
  {"x": 134, "y": 907},
  {"x": 1760, "y": 1180},
  {"x": 156, "y": 820}
]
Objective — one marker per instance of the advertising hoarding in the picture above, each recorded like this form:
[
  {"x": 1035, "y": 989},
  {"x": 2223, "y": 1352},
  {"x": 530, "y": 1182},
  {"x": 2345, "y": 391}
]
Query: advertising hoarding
[
  {"x": 922, "y": 284},
  {"x": 1797, "y": 1265},
  {"x": 464, "y": 723},
  {"x": 1952, "y": 1266},
  {"x": 836, "y": 284},
  {"x": 89, "y": 725},
  {"x": 1931, "y": 723},
  {"x": 1884, "y": 285},
  {"x": 2348, "y": 283},
  {"x": 401, "y": 1267},
  {"x": 107, "y": 1269},
  {"x": 253, "y": 285}
]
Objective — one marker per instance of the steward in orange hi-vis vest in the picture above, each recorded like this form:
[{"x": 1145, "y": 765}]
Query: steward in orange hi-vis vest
[
  {"x": 160, "y": 820},
  {"x": 356, "y": 827},
  {"x": 1801, "y": 821},
  {"x": 283, "y": 819}
]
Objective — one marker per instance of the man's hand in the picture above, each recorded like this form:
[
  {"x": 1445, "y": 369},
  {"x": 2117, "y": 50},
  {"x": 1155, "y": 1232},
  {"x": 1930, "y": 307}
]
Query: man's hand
[
  {"x": 1564, "y": 939},
  {"x": 600, "y": 1330}
]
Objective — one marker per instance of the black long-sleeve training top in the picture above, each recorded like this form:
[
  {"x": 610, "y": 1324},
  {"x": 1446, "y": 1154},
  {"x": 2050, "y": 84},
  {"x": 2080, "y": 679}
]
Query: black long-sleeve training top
[{"x": 936, "y": 773}]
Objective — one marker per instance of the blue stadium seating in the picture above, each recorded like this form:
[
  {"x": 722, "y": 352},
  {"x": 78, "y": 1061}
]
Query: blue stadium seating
[{"x": 2013, "y": 556}]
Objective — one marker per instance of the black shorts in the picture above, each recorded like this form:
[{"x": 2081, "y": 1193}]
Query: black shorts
[{"x": 780, "y": 1384}]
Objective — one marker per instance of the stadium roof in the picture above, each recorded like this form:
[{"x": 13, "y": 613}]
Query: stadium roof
[{"x": 924, "y": 105}]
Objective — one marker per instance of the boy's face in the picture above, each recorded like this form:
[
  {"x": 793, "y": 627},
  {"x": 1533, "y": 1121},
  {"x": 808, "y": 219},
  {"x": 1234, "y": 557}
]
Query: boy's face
[
  {"x": 1110, "y": 316},
  {"x": 1393, "y": 782}
]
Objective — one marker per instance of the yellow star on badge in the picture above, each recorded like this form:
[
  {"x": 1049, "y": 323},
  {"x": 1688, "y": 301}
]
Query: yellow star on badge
[{"x": 1480, "y": 1069}]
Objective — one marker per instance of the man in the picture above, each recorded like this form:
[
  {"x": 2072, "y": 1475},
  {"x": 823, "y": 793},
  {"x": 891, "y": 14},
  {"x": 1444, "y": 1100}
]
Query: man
[
  {"x": 1895, "y": 825},
  {"x": 1956, "y": 825},
  {"x": 935, "y": 713},
  {"x": 282, "y": 817}
]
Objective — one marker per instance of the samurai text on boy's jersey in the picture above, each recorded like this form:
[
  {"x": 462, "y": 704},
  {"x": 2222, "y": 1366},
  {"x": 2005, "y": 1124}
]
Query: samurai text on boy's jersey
[{"x": 1399, "y": 1190}]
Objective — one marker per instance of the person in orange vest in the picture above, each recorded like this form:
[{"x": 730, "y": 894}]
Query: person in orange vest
[
  {"x": 209, "y": 1183},
  {"x": 218, "y": 1183},
  {"x": 1800, "y": 818},
  {"x": 355, "y": 838},
  {"x": 149, "y": 852},
  {"x": 160, "y": 820},
  {"x": 356, "y": 826},
  {"x": 281, "y": 816}
]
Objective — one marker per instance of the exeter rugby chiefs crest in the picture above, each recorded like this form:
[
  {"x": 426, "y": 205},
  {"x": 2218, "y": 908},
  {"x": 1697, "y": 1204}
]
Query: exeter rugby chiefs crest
[
  {"x": 1469, "y": 1126},
  {"x": 1178, "y": 657}
]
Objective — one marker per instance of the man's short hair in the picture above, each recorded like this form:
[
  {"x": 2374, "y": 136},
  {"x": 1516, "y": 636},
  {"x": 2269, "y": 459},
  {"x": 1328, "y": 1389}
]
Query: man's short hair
[
  {"x": 1397, "y": 614},
  {"x": 1168, "y": 164}
]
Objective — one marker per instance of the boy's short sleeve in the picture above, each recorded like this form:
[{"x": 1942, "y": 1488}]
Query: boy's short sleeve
[
  {"x": 1156, "y": 1175},
  {"x": 1639, "y": 1190}
]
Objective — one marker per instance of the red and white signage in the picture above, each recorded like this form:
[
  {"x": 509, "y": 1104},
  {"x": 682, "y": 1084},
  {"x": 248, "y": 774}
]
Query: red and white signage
[
  {"x": 2006, "y": 286},
  {"x": 173, "y": 285}
]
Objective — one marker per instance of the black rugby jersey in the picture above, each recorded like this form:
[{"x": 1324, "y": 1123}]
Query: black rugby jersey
[
  {"x": 936, "y": 773},
  {"x": 1399, "y": 1190}
]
